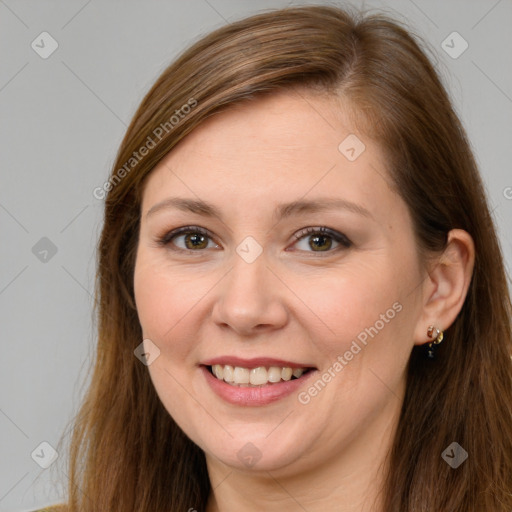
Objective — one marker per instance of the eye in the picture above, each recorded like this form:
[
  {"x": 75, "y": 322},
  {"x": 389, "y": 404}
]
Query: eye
[
  {"x": 321, "y": 238},
  {"x": 194, "y": 239}
]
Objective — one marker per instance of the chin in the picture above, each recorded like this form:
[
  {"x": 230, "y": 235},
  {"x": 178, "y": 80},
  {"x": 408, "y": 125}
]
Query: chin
[{"x": 247, "y": 452}]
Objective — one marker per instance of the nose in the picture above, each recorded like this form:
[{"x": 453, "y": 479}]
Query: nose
[{"x": 250, "y": 299}]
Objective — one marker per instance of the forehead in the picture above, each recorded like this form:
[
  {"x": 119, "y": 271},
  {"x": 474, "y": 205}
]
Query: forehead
[
  {"x": 293, "y": 122},
  {"x": 286, "y": 145}
]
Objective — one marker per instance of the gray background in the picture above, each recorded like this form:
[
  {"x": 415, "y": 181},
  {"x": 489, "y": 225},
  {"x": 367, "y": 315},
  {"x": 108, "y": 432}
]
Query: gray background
[{"x": 62, "y": 120}]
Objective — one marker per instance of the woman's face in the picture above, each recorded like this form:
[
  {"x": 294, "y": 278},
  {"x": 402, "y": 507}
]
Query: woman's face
[{"x": 251, "y": 295}]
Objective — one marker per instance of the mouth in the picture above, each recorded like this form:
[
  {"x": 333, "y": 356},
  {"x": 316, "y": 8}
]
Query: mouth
[
  {"x": 256, "y": 377},
  {"x": 258, "y": 381}
]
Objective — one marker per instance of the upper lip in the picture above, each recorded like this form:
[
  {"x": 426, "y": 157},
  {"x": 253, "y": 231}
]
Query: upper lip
[{"x": 254, "y": 362}]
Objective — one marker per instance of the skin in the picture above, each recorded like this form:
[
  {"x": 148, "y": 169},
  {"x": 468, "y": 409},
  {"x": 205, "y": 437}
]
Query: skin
[{"x": 293, "y": 302}]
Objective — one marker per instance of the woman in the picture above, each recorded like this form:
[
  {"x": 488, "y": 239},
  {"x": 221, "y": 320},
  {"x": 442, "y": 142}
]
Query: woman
[{"x": 238, "y": 368}]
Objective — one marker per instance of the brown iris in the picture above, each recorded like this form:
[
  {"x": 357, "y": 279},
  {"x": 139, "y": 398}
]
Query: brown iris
[
  {"x": 196, "y": 240},
  {"x": 314, "y": 240}
]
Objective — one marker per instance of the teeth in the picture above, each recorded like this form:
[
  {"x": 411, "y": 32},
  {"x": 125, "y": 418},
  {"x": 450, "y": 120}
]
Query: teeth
[
  {"x": 297, "y": 372},
  {"x": 258, "y": 376},
  {"x": 218, "y": 371},
  {"x": 242, "y": 375},
  {"x": 255, "y": 376},
  {"x": 286, "y": 373},
  {"x": 229, "y": 373},
  {"x": 274, "y": 374}
]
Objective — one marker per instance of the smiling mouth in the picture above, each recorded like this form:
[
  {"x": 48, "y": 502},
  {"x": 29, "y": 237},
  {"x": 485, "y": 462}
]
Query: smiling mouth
[{"x": 256, "y": 377}]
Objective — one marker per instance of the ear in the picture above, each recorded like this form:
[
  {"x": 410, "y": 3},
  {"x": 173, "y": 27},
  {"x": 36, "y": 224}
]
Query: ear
[{"x": 446, "y": 286}]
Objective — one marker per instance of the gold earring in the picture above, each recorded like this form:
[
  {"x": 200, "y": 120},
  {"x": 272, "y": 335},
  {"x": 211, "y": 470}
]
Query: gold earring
[{"x": 437, "y": 336}]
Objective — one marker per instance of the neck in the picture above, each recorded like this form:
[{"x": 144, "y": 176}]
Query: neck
[{"x": 349, "y": 481}]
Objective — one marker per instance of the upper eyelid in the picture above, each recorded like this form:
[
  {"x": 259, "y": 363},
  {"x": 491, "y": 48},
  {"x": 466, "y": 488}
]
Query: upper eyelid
[
  {"x": 300, "y": 234},
  {"x": 173, "y": 233},
  {"x": 333, "y": 233}
]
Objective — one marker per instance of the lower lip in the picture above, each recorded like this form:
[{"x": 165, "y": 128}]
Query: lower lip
[{"x": 254, "y": 396}]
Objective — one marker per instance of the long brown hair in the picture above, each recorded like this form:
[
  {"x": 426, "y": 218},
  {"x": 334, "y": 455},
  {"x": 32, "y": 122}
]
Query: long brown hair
[{"x": 127, "y": 453}]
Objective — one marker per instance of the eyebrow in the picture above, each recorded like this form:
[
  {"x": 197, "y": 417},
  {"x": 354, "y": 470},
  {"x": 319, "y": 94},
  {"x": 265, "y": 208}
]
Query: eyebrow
[{"x": 282, "y": 211}]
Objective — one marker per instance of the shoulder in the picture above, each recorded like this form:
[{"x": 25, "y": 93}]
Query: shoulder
[{"x": 53, "y": 508}]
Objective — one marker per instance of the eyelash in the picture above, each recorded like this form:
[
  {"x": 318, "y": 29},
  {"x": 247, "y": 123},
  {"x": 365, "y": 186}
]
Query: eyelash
[{"x": 166, "y": 239}]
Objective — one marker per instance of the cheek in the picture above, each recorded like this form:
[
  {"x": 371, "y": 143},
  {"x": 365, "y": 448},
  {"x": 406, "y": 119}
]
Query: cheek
[
  {"x": 366, "y": 348},
  {"x": 365, "y": 332},
  {"x": 163, "y": 301},
  {"x": 345, "y": 304}
]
